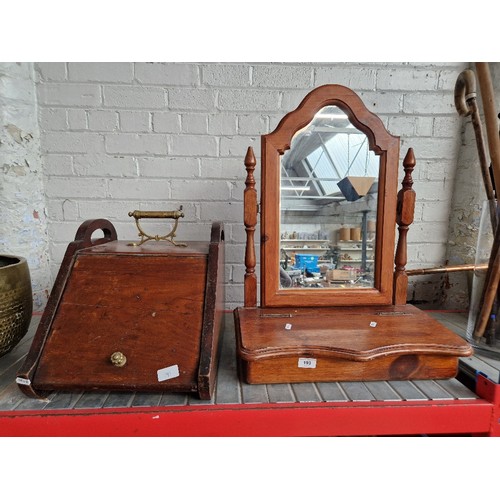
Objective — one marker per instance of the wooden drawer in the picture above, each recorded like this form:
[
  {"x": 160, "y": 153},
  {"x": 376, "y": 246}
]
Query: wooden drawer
[{"x": 290, "y": 345}]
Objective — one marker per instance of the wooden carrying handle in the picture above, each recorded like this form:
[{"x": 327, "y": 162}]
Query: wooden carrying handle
[{"x": 89, "y": 227}]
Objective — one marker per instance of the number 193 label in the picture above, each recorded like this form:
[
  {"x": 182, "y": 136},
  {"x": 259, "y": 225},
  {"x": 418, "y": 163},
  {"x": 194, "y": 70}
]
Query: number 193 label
[{"x": 307, "y": 363}]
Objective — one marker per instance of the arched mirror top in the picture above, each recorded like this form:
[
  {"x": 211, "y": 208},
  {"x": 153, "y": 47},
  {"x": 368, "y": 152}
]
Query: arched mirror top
[
  {"x": 347, "y": 101},
  {"x": 329, "y": 184}
]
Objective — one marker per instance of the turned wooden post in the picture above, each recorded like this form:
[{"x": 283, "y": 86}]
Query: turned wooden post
[
  {"x": 250, "y": 221},
  {"x": 404, "y": 217}
]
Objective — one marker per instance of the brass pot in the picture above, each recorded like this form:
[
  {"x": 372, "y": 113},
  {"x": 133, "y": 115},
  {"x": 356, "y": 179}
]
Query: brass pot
[{"x": 16, "y": 301}]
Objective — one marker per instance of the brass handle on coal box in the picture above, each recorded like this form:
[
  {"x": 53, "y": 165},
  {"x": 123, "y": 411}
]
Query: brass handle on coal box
[
  {"x": 173, "y": 214},
  {"x": 118, "y": 359}
]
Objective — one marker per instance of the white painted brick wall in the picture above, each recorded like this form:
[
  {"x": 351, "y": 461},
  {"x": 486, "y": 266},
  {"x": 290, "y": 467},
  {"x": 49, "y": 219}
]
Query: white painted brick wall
[
  {"x": 23, "y": 225},
  {"x": 123, "y": 136},
  {"x": 101, "y": 72},
  {"x": 81, "y": 95}
]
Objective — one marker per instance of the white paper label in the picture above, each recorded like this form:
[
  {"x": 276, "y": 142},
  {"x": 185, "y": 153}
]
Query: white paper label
[
  {"x": 23, "y": 381},
  {"x": 288, "y": 326},
  {"x": 373, "y": 324},
  {"x": 307, "y": 363},
  {"x": 168, "y": 373}
]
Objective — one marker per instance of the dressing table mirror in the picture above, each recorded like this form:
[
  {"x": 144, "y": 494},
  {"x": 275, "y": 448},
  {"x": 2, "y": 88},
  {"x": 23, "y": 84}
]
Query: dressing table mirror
[{"x": 332, "y": 279}]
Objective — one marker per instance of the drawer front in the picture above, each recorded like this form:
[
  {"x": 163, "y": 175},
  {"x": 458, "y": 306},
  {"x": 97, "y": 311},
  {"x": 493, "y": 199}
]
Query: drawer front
[{"x": 148, "y": 308}]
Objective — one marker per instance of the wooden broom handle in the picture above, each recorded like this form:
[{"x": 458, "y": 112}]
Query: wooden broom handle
[{"x": 490, "y": 117}]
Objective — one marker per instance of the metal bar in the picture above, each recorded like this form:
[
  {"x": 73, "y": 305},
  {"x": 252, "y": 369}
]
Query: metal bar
[
  {"x": 118, "y": 400},
  {"x": 357, "y": 391},
  {"x": 446, "y": 269},
  {"x": 454, "y": 387},
  {"x": 173, "y": 399},
  {"x": 432, "y": 390},
  {"x": 408, "y": 390},
  {"x": 490, "y": 391},
  {"x": 254, "y": 394},
  {"x": 383, "y": 391},
  {"x": 331, "y": 391},
  {"x": 146, "y": 399},
  {"x": 296, "y": 419},
  {"x": 280, "y": 393},
  {"x": 92, "y": 400},
  {"x": 305, "y": 392}
]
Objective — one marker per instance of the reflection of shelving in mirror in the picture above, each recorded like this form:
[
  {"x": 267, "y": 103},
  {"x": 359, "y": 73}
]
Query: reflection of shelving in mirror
[
  {"x": 306, "y": 270},
  {"x": 352, "y": 252},
  {"x": 327, "y": 255},
  {"x": 315, "y": 247}
]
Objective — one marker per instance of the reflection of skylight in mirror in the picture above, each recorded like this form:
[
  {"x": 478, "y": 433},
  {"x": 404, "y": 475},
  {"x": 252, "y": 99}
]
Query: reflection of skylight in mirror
[
  {"x": 324, "y": 152},
  {"x": 321, "y": 167},
  {"x": 346, "y": 154},
  {"x": 351, "y": 155}
]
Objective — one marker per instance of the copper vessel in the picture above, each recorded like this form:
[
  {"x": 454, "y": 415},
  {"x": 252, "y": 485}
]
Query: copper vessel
[{"x": 16, "y": 301}]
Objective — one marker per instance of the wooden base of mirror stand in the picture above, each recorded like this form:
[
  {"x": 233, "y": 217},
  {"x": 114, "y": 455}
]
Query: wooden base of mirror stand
[{"x": 287, "y": 345}]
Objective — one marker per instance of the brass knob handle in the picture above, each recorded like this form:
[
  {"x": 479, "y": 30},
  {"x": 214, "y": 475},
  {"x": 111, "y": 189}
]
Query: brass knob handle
[{"x": 118, "y": 359}]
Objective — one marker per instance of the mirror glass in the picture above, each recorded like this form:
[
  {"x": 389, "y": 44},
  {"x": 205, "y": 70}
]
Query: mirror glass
[{"x": 328, "y": 206}]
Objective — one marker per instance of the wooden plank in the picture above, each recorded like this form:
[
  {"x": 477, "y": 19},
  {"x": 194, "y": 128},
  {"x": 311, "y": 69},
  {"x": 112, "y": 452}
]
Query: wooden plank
[
  {"x": 10, "y": 397},
  {"x": 118, "y": 400},
  {"x": 227, "y": 389},
  {"x": 454, "y": 387},
  {"x": 305, "y": 393},
  {"x": 357, "y": 391},
  {"x": 408, "y": 390},
  {"x": 456, "y": 322},
  {"x": 16, "y": 361},
  {"x": 432, "y": 390},
  {"x": 494, "y": 363},
  {"x": 92, "y": 400},
  {"x": 146, "y": 399},
  {"x": 478, "y": 365},
  {"x": 383, "y": 391},
  {"x": 459, "y": 319},
  {"x": 280, "y": 393},
  {"x": 331, "y": 391},
  {"x": 27, "y": 404},
  {"x": 9, "y": 375},
  {"x": 173, "y": 399},
  {"x": 254, "y": 393},
  {"x": 63, "y": 400},
  {"x": 194, "y": 400},
  {"x": 18, "y": 352}
]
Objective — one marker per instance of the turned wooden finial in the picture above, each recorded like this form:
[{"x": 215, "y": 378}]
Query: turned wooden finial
[
  {"x": 404, "y": 217},
  {"x": 250, "y": 221}
]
